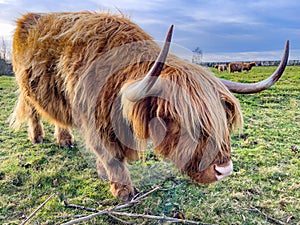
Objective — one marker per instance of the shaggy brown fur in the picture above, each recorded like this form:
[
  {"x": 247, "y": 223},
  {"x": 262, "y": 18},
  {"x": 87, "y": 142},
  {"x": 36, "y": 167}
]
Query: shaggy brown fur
[{"x": 73, "y": 68}]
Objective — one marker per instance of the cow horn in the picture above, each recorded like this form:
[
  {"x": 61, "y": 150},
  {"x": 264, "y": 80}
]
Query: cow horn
[
  {"x": 139, "y": 89},
  {"x": 242, "y": 88}
]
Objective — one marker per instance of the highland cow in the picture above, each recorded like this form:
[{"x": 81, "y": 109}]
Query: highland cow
[
  {"x": 222, "y": 67},
  {"x": 102, "y": 74},
  {"x": 248, "y": 66},
  {"x": 235, "y": 67}
]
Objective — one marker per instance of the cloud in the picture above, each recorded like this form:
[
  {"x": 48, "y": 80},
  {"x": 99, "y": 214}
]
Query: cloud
[
  {"x": 214, "y": 26},
  {"x": 6, "y": 30},
  {"x": 242, "y": 56},
  {"x": 4, "y": 1},
  {"x": 128, "y": 6}
]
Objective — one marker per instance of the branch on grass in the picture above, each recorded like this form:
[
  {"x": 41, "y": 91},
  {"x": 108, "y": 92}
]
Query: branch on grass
[
  {"x": 120, "y": 220},
  {"x": 135, "y": 200},
  {"x": 79, "y": 207},
  {"x": 37, "y": 209},
  {"x": 161, "y": 218},
  {"x": 114, "y": 213},
  {"x": 71, "y": 216},
  {"x": 276, "y": 221}
]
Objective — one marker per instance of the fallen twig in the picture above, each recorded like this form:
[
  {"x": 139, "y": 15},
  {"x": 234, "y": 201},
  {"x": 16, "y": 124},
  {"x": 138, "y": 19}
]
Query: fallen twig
[
  {"x": 120, "y": 220},
  {"x": 101, "y": 212},
  {"x": 80, "y": 207},
  {"x": 86, "y": 218},
  {"x": 114, "y": 213},
  {"x": 71, "y": 216},
  {"x": 110, "y": 212},
  {"x": 136, "y": 198},
  {"x": 163, "y": 218},
  {"x": 37, "y": 209},
  {"x": 117, "y": 207},
  {"x": 267, "y": 216}
]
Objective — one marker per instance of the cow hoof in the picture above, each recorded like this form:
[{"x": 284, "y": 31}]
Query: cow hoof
[
  {"x": 122, "y": 191},
  {"x": 101, "y": 171},
  {"x": 36, "y": 140},
  {"x": 102, "y": 177},
  {"x": 68, "y": 143},
  {"x": 63, "y": 137}
]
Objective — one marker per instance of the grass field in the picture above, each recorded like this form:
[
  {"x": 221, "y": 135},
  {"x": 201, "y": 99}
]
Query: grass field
[{"x": 264, "y": 188}]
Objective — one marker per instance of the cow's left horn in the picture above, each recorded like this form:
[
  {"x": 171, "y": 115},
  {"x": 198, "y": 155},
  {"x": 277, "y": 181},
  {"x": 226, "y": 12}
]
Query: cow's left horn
[
  {"x": 140, "y": 89},
  {"x": 262, "y": 85}
]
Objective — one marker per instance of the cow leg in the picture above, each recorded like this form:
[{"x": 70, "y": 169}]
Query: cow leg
[
  {"x": 101, "y": 170},
  {"x": 117, "y": 172},
  {"x": 24, "y": 110},
  {"x": 120, "y": 182},
  {"x": 63, "y": 136},
  {"x": 35, "y": 126}
]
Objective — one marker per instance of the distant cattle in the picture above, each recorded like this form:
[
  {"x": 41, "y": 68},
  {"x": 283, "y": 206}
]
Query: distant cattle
[
  {"x": 235, "y": 67},
  {"x": 222, "y": 67},
  {"x": 248, "y": 66},
  {"x": 240, "y": 66}
]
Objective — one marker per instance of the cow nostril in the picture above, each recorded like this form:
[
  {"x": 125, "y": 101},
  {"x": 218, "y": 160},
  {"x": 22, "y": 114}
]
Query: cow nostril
[{"x": 217, "y": 172}]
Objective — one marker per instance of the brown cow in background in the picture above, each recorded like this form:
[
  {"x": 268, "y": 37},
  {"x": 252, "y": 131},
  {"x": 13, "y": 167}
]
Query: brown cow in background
[
  {"x": 248, "y": 66},
  {"x": 235, "y": 67},
  {"x": 102, "y": 74},
  {"x": 240, "y": 66},
  {"x": 222, "y": 67}
]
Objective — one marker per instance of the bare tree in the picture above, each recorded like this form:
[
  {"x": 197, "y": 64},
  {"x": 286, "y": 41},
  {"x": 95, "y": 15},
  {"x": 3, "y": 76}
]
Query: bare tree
[
  {"x": 5, "y": 56},
  {"x": 197, "y": 56},
  {"x": 3, "y": 49}
]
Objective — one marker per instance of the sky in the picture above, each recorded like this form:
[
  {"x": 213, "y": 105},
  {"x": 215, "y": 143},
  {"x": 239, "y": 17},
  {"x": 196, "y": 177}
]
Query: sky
[{"x": 222, "y": 29}]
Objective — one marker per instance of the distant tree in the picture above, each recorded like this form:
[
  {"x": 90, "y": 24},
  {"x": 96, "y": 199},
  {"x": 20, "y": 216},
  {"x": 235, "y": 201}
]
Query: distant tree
[
  {"x": 5, "y": 56},
  {"x": 3, "y": 49},
  {"x": 197, "y": 55}
]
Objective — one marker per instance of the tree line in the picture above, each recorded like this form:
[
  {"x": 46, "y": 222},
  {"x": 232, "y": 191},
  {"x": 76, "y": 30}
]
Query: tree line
[{"x": 5, "y": 55}]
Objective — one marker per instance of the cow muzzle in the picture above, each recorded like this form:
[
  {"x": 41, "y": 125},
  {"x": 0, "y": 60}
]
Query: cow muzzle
[
  {"x": 213, "y": 173},
  {"x": 223, "y": 170}
]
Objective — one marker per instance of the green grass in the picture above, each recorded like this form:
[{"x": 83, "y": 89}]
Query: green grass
[{"x": 266, "y": 168}]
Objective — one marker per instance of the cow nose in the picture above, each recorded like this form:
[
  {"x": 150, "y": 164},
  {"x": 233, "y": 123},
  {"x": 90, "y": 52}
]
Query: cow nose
[{"x": 223, "y": 170}]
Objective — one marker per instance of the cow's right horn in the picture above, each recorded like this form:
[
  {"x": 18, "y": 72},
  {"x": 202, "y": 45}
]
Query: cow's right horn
[
  {"x": 262, "y": 85},
  {"x": 140, "y": 89}
]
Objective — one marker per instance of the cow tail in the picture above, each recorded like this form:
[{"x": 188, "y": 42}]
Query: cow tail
[{"x": 19, "y": 115}]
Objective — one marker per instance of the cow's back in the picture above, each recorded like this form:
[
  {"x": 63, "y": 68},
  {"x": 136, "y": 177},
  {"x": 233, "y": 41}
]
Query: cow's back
[{"x": 52, "y": 51}]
